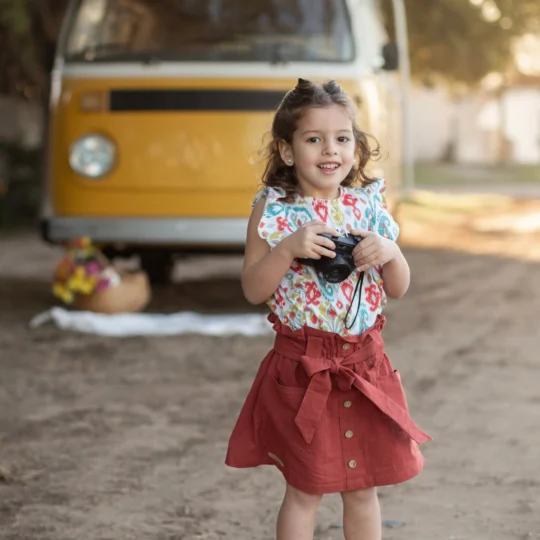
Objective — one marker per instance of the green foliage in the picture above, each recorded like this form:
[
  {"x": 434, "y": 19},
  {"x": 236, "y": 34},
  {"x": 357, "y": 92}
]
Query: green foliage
[
  {"x": 462, "y": 41},
  {"x": 15, "y": 15},
  {"x": 18, "y": 66}
]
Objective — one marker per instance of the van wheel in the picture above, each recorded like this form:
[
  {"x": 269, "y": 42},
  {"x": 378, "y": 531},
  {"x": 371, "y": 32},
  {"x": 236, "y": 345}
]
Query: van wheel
[{"x": 158, "y": 265}]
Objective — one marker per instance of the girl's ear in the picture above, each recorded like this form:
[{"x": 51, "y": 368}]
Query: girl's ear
[{"x": 285, "y": 151}]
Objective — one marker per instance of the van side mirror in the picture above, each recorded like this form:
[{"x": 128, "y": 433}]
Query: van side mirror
[{"x": 390, "y": 54}]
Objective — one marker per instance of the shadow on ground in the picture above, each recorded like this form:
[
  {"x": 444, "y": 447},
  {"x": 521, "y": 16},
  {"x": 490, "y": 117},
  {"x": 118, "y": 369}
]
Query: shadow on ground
[
  {"x": 213, "y": 295},
  {"x": 22, "y": 298}
]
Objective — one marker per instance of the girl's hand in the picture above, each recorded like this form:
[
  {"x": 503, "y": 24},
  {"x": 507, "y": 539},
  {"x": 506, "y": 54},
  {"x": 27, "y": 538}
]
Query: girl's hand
[
  {"x": 373, "y": 250},
  {"x": 306, "y": 242}
]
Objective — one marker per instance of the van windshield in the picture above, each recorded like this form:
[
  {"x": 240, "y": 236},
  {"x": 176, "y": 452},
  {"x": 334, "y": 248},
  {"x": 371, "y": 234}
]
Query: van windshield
[{"x": 210, "y": 30}]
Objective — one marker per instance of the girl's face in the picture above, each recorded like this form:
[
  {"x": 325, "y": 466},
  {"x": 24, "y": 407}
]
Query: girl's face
[{"x": 322, "y": 150}]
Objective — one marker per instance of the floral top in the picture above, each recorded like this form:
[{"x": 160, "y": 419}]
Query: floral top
[{"x": 303, "y": 296}]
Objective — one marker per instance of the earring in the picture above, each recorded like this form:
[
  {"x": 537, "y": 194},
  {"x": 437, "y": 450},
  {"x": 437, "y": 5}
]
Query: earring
[
  {"x": 354, "y": 160},
  {"x": 289, "y": 160}
]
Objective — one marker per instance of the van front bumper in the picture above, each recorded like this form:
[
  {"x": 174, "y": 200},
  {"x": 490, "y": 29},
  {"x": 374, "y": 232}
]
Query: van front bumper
[{"x": 185, "y": 233}]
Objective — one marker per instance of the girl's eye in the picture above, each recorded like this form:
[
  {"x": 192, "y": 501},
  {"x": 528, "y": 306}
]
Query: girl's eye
[
  {"x": 344, "y": 139},
  {"x": 313, "y": 139}
]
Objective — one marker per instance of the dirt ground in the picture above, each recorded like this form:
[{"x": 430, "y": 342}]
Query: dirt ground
[{"x": 112, "y": 439}]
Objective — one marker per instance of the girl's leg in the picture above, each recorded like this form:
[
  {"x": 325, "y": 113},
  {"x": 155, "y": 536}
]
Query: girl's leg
[
  {"x": 296, "y": 519},
  {"x": 361, "y": 515}
]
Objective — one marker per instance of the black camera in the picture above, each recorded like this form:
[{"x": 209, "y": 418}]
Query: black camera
[{"x": 339, "y": 268}]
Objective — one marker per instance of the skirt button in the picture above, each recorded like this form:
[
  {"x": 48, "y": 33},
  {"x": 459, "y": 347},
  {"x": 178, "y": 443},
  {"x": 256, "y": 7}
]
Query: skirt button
[
  {"x": 352, "y": 464},
  {"x": 345, "y": 346},
  {"x": 349, "y": 434},
  {"x": 347, "y": 404}
]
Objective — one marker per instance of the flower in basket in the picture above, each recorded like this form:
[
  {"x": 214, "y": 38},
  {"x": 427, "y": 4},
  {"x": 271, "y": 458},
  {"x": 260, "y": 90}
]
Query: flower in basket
[
  {"x": 82, "y": 271},
  {"x": 62, "y": 292},
  {"x": 81, "y": 281}
]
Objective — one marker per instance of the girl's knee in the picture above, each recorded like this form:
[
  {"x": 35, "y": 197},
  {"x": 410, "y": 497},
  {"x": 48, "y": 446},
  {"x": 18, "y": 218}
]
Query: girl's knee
[
  {"x": 306, "y": 500},
  {"x": 359, "y": 496}
]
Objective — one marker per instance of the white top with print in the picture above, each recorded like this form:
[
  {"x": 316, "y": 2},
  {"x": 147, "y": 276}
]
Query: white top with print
[{"x": 303, "y": 297}]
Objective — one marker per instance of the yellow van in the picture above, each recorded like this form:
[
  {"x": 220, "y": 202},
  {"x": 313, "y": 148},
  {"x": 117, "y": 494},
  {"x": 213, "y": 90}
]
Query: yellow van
[{"x": 158, "y": 108}]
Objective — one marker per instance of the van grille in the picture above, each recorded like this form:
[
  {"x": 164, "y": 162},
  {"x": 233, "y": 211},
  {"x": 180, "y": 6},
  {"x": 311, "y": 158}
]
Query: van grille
[{"x": 195, "y": 100}]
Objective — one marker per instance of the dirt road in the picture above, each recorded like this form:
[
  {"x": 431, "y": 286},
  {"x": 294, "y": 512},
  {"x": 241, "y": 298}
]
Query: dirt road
[{"x": 109, "y": 439}]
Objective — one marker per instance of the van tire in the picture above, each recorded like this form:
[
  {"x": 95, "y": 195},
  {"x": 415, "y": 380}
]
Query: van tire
[{"x": 158, "y": 266}]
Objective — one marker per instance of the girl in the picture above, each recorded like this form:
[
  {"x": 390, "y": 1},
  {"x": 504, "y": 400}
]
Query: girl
[{"x": 326, "y": 407}]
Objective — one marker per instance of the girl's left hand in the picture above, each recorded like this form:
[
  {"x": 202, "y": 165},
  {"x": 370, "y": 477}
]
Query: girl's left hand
[{"x": 373, "y": 250}]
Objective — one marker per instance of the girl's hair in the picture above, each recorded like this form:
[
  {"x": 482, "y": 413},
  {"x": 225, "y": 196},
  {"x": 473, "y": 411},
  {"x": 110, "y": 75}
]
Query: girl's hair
[{"x": 308, "y": 94}]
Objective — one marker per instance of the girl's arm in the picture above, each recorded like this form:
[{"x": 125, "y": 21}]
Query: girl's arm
[
  {"x": 396, "y": 275},
  {"x": 265, "y": 268},
  {"x": 374, "y": 250}
]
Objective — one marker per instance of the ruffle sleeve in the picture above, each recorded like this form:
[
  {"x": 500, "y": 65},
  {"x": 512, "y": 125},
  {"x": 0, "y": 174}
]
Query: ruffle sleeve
[
  {"x": 274, "y": 225},
  {"x": 382, "y": 221}
]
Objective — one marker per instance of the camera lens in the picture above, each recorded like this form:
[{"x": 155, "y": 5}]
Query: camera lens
[{"x": 337, "y": 270}]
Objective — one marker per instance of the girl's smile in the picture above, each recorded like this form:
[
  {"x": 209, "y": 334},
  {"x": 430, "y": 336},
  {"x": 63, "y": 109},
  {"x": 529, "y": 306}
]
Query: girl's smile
[{"x": 329, "y": 167}]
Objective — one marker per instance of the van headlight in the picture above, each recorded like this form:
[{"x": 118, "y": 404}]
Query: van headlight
[{"x": 92, "y": 156}]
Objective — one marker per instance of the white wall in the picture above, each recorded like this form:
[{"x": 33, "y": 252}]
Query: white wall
[
  {"x": 522, "y": 123},
  {"x": 474, "y": 123},
  {"x": 432, "y": 112},
  {"x": 472, "y": 137}
]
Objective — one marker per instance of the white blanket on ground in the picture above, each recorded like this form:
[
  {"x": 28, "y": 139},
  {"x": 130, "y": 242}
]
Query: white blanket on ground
[{"x": 154, "y": 324}]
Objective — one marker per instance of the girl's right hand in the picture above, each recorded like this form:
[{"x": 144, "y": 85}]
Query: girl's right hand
[{"x": 306, "y": 242}]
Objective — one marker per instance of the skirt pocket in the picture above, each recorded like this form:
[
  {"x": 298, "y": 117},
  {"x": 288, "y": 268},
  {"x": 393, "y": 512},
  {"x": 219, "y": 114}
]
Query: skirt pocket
[
  {"x": 291, "y": 395},
  {"x": 279, "y": 406}
]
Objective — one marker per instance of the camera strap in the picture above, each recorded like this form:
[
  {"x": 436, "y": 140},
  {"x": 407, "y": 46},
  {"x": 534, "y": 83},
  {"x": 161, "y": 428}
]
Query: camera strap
[{"x": 357, "y": 289}]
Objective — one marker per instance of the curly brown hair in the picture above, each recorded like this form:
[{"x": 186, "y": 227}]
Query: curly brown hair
[{"x": 308, "y": 94}]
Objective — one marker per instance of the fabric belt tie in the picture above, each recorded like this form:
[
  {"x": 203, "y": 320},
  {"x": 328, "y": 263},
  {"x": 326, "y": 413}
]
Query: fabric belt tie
[{"x": 319, "y": 369}]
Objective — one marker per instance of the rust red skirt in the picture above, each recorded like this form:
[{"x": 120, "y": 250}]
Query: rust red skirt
[{"x": 330, "y": 412}]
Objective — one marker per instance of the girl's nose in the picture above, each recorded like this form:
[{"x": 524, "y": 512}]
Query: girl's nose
[{"x": 330, "y": 149}]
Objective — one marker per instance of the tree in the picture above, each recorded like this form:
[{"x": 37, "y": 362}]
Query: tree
[
  {"x": 28, "y": 30},
  {"x": 463, "y": 40}
]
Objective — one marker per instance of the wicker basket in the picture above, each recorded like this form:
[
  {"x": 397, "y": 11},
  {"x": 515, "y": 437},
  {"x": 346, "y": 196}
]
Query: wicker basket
[{"x": 132, "y": 294}]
